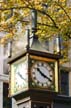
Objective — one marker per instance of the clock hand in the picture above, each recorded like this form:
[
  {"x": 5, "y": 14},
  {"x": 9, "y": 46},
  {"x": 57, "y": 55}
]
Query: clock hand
[
  {"x": 43, "y": 75},
  {"x": 21, "y": 76}
]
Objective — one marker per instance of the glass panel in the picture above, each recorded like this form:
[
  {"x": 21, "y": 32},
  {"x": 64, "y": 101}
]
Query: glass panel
[{"x": 64, "y": 82}]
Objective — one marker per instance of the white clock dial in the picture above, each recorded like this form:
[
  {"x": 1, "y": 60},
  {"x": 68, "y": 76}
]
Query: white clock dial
[
  {"x": 21, "y": 75},
  {"x": 42, "y": 74}
]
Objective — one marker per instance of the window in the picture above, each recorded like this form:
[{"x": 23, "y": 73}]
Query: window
[
  {"x": 64, "y": 82},
  {"x": 6, "y": 99},
  {"x": 40, "y": 105}
]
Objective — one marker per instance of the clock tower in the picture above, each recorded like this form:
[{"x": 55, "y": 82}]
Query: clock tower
[{"x": 34, "y": 74}]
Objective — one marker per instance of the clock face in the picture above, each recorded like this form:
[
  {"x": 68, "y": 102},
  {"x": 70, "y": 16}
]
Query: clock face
[
  {"x": 42, "y": 74},
  {"x": 20, "y": 75}
]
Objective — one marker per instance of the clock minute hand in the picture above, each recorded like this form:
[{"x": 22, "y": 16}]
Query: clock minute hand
[
  {"x": 21, "y": 76},
  {"x": 43, "y": 74}
]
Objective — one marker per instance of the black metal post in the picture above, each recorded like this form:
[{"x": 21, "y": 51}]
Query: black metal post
[
  {"x": 34, "y": 25},
  {"x": 34, "y": 20},
  {"x": 28, "y": 39}
]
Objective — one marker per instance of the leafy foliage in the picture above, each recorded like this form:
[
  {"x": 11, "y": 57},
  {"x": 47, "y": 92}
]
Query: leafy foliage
[{"x": 54, "y": 17}]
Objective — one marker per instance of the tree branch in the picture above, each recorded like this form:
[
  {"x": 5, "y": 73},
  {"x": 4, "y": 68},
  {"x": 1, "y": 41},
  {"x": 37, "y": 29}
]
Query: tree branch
[
  {"x": 20, "y": 7},
  {"x": 49, "y": 17},
  {"x": 42, "y": 24},
  {"x": 63, "y": 10}
]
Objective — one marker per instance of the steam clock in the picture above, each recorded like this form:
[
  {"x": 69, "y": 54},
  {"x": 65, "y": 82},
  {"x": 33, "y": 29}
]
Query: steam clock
[{"x": 34, "y": 75}]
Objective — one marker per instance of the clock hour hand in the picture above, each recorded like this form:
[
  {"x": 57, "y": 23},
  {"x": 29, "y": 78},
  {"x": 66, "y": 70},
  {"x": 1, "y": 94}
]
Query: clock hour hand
[{"x": 43, "y": 75}]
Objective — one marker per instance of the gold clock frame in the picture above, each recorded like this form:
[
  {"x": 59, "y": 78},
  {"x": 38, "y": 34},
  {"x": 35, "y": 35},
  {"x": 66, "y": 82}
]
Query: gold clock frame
[
  {"x": 55, "y": 70},
  {"x": 12, "y": 75}
]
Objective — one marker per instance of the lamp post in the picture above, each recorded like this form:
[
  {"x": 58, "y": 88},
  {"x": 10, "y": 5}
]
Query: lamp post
[
  {"x": 34, "y": 30},
  {"x": 34, "y": 20}
]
